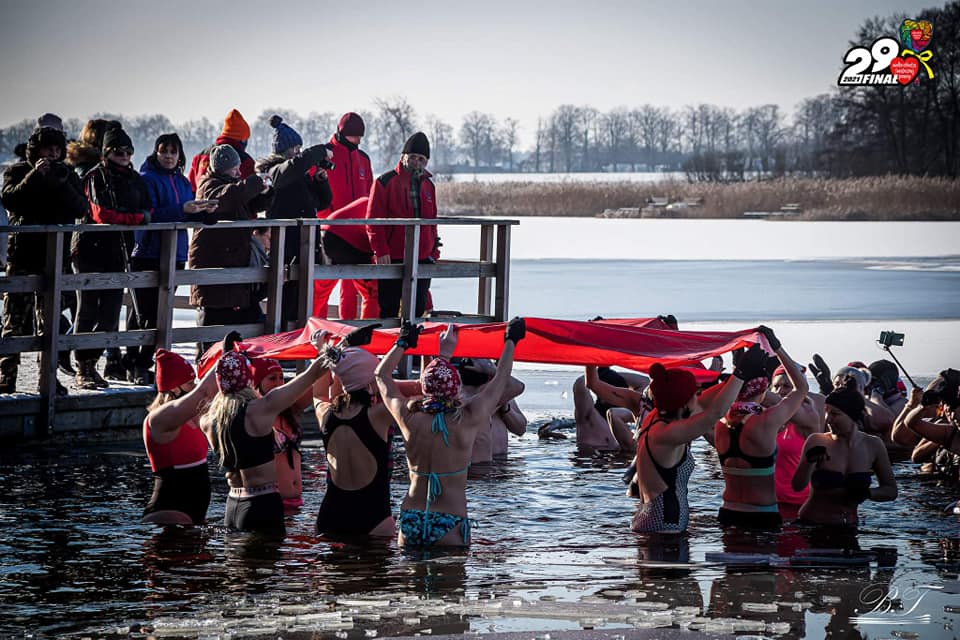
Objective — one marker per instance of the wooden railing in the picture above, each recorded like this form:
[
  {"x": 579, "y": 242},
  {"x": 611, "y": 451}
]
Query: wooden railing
[{"x": 492, "y": 269}]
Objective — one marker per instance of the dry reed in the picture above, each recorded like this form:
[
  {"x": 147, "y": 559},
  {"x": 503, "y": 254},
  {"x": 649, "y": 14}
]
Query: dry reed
[{"x": 874, "y": 198}]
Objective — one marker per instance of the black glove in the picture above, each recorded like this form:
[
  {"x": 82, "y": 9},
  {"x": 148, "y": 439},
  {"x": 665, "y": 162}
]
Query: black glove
[
  {"x": 821, "y": 372},
  {"x": 361, "y": 336},
  {"x": 771, "y": 365},
  {"x": 767, "y": 333},
  {"x": 146, "y": 217},
  {"x": 409, "y": 335},
  {"x": 230, "y": 340},
  {"x": 751, "y": 364},
  {"x": 595, "y": 319},
  {"x": 670, "y": 320},
  {"x": 315, "y": 154},
  {"x": 816, "y": 454},
  {"x": 516, "y": 330},
  {"x": 858, "y": 493}
]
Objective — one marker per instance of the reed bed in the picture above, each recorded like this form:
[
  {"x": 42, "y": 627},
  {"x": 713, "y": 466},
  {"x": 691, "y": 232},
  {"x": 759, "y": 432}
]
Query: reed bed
[{"x": 873, "y": 198}]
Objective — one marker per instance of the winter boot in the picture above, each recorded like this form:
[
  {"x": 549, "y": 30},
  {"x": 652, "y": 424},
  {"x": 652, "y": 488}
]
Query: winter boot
[
  {"x": 140, "y": 375},
  {"x": 61, "y": 390},
  {"x": 101, "y": 383},
  {"x": 114, "y": 370},
  {"x": 63, "y": 363},
  {"x": 85, "y": 375}
]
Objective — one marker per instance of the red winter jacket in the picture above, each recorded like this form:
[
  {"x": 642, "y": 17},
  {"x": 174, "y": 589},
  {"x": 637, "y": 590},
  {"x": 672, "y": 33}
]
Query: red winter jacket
[
  {"x": 390, "y": 198},
  {"x": 351, "y": 177},
  {"x": 201, "y": 161},
  {"x": 354, "y": 235}
]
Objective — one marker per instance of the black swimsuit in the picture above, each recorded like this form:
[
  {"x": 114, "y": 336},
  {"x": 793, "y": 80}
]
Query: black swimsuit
[
  {"x": 264, "y": 510},
  {"x": 359, "y": 511}
]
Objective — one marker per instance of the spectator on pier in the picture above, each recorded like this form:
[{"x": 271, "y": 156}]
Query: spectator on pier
[
  {"x": 746, "y": 443},
  {"x": 438, "y": 433},
  {"x": 838, "y": 464},
  {"x": 237, "y": 199},
  {"x": 404, "y": 192},
  {"x": 348, "y": 244},
  {"x": 680, "y": 416},
  {"x": 117, "y": 195},
  {"x": 355, "y": 427},
  {"x": 172, "y": 201},
  {"x": 351, "y": 178},
  {"x": 236, "y": 133},
  {"x": 476, "y": 374},
  {"x": 239, "y": 426},
  {"x": 300, "y": 190},
  {"x": 175, "y": 445},
  {"x": 40, "y": 190}
]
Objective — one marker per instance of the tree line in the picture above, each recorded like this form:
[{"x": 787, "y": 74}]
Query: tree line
[{"x": 849, "y": 131}]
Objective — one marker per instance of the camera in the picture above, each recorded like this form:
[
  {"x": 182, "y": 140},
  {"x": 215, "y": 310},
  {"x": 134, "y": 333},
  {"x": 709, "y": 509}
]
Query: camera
[{"x": 891, "y": 339}]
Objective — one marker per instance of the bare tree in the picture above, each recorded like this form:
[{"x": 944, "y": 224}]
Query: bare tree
[
  {"x": 509, "y": 134},
  {"x": 442, "y": 143},
  {"x": 477, "y": 135},
  {"x": 393, "y": 122}
]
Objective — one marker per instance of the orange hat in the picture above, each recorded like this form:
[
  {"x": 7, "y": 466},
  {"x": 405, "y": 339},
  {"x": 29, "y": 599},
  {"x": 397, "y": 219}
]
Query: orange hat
[{"x": 235, "y": 127}]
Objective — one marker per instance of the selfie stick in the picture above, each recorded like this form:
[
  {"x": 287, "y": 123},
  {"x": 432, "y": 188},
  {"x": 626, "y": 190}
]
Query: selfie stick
[{"x": 887, "y": 349}]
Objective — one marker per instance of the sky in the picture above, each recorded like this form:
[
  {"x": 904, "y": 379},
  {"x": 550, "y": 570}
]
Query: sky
[{"x": 513, "y": 59}]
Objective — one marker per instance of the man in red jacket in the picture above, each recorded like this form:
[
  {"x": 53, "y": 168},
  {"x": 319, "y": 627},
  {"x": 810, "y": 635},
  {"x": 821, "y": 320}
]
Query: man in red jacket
[
  {"x": 235, "y": 133},
  {"x": 351, "y": 178},
  {"x": 404, "y": 192}
]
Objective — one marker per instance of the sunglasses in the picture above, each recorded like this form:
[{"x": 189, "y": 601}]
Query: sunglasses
[{"x": 125, "y": 151}]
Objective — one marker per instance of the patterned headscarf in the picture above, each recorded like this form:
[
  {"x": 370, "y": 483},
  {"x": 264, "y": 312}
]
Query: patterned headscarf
[
  {"x": 753, "y": 387},
  {"x": 440, "y": 381},
  {"x": 234, "y": 372}
]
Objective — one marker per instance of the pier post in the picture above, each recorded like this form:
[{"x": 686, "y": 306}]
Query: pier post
[
  {"x": 49, "y": 341},
  {"x": 166, "y": 288},
  {"x": 275, "y": 281},
  {"x": 501, "y": 304},
  {"x": 484, "y": 288}
]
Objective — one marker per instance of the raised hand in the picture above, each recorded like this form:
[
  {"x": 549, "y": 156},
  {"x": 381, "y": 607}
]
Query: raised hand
[
  {"x": 821, "y": 372},
  {"x": 516, "y": 330},
  {"x": 230, "y": 340},
  {"x": 448, "y": 342},
  {"x": 771, "y": 337},
  {"x": 409, "y": 335},
  {"x": 361, "y": 335}
]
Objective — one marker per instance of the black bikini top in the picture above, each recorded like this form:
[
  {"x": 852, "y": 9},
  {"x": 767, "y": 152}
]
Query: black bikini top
[
  {"x": 734, "y": 451},
  {"x": 251, "y": 451},
  {"x": 827, "y": 479}
]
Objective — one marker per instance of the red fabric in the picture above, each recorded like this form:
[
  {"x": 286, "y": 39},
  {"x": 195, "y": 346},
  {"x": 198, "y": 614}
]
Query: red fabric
[
  {"x": 172, "y": 370},
  {"x": 104, "y": 215},
  {"x": 351, "y": 178},
  {"x": 392, "y": 200},
  {"x": 547, "y": 341},
  {"x": 189, "y": 446},
  {"x": 355, "y": 235}
]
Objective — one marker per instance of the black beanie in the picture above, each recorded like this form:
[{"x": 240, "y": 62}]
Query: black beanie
[
  {"x": 116, "y": 138},
  {"x": 44, "y": 137},
  {"x": 848, "y": 400},
  {"x": 417, "y": 143}
]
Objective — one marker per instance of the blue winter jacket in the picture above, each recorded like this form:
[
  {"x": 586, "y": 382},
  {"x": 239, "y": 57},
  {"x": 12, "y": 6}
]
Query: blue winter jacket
[{"x": 168, "y": 190}]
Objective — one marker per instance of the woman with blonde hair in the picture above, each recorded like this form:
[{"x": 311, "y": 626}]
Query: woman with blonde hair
[{"x": 239, "y": 426}]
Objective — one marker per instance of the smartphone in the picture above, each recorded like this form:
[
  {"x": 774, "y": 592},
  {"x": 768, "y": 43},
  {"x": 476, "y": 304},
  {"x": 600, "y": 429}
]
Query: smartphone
[{"x": 891, "y": 339}]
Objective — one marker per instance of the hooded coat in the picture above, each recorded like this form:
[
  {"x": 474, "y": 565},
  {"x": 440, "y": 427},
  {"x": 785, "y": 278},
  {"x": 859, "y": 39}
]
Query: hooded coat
[{"x": 168, "y": 190}]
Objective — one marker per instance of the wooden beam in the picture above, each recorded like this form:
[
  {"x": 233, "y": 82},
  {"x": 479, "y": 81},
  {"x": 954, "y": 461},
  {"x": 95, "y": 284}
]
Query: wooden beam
[
  {"x": 502, "y": 296},
  {"x": 304, "y": 277},
  {"x": 223, "y": 276},
  {"x": 166, "y": 288},
  {"x": 275, "y": 281},
  {"x": 104, "y": 281},
  {"x": 51, "y": 332},
  {"x": 213, "y": 333},
  {"x": 484, "y": 288}
]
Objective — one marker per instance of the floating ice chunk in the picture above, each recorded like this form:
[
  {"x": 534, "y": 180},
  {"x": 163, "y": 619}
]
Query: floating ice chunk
[
  {"x": 825, "y": 599},
  {"x": 760, "y": 607},
  {"x": 370, "y": 633},
  {"x": 411, "y": 620},
  {"x": 778, "y": 628},
  {"x": 652, "y": 606}
]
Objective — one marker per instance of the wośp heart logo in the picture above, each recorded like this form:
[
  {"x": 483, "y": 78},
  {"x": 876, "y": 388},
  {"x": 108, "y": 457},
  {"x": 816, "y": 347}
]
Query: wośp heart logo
[{"x": 892, "y": 61}]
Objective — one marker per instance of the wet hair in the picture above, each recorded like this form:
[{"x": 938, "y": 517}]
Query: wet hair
[
  {"x": 348, "y": 399},
  {"x": 217, "y": 421},
  {"x": 172, "y": 140}
]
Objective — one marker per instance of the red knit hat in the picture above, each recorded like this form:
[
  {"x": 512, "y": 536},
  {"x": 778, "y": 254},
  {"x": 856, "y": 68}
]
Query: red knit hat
[
  {"x": 233, "y": 372},
  {"x": 235, "y": 127},
  {"x": 671, "y": 388},
  {"x": 440, "y": 380},
  {"x": 172, "y": 370},
  {"x": 262, "y": 367},
  {"x": 351, "y": 124}
]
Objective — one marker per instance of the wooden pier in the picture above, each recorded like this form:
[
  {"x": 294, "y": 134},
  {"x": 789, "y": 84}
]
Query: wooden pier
[{"x": 26, "y": 417}]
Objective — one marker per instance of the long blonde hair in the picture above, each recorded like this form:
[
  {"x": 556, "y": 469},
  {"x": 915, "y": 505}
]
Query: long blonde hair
[{"x": 217, "y": 420}]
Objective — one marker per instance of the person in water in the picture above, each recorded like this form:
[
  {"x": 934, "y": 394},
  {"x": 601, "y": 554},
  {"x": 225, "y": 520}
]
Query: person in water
[
  {"x": 680, "y": 416},
  {"x": 475, "y": 374},
  {"x": 746, "y": 443},
  {"x": 176, "y": 447},
  {"x": 806, "y": 420},
  {"x": 838, "y": 464},
  {"x": 355, "y": 428},
  {"x": 438, "y": 432},
  {"x": 287, "y": 433},
  {"x": 239, "y": 426},
  {"x": 605, "y": 424}
]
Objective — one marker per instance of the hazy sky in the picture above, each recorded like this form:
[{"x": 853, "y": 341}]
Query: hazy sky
[{"x": 510, "y": 58}]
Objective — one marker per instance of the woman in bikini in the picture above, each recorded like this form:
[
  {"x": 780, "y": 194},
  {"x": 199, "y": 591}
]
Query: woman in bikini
[
  {"x": 239, "y": 426},
  {"x": 287, "y": 433},
  {"x": 355, "y": 429},
  {"x": 746, "y": 443},
  {"x": 439, "y": 430},
  {"x": 838, "y": 465},
  {"x": 176, "y": 447},
  {"x": 680, "y": 416}
]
